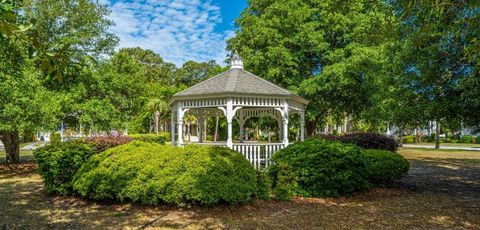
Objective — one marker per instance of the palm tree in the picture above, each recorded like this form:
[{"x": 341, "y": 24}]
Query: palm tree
[{"x": 158, "y": 108}]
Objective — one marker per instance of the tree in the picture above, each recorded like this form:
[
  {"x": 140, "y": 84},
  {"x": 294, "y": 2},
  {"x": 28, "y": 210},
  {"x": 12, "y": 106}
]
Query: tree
[
  {"x": 138, "y": 83},
  {"x": 62, "y": 39},
  {"x": 436, "y": 61},
  {"x": 70, "y": 33},
  {"x": 330, "y": 52},
  {"x": 99, "y": 115},
  {"x": 25, "y": 105},
  {"x": 8, "y": 19},
  {"x": 192, "y": 72}
]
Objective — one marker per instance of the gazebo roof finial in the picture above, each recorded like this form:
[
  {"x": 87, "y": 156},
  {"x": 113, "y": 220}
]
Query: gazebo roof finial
[{"x": 236, "y": 62}]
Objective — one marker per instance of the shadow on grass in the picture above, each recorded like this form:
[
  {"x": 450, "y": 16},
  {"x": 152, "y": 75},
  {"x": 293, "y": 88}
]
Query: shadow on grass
[
  {"x": 24, "y": 205},
  {"x": 459, "y": 178}
]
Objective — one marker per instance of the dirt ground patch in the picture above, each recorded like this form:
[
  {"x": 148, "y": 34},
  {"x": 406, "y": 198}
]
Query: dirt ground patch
[{"x": 442, "y": 190}]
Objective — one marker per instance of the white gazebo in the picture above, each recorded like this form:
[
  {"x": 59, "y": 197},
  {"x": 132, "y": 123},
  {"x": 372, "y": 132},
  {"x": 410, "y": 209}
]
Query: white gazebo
[{"x": 238, "y": 95}]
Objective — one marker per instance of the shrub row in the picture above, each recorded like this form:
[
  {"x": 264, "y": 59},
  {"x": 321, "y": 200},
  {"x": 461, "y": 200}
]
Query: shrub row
[
  {"x": 365, "y": 140},
  {"x": 409, "y": 139},
  {"x": 102, "y": 143},
  {"x": 59, "y": 161},
  {"x": 151, "y": 173},
  {"x": 156, "y": 138},
  {"x": 319, "y": 167},
  {"x": 469, "y": 139}
]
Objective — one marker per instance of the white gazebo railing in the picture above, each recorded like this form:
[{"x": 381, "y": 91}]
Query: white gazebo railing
[{"x": 260, "y": 154}]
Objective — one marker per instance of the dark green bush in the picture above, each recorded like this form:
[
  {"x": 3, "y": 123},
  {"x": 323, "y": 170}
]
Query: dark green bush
[
  {"x": 152, "y": 173},
  {"x": 318, "y": 167},
  {"x": 429, "y": 138},
  {"x": 467, "y": 139},
  {"x": 57, "y": 163},
  {"x": 370, "y": 141},
  {"x": 155, "y": 138},
  {"x": 364, "y": 140},
  {"x": 384, "y": 166},
  {"x": 478, "y": 139},
  {"x": 55, "y": 138}
]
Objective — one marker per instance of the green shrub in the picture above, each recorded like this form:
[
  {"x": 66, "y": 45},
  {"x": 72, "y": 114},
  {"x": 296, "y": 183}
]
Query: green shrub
[
  {"x": 55, "y": 138},
  {"x": 430, "y": 138},
  {"x": 57, "y": 163},
  {"x": 318, "y": 167},
  {"x": 152, "y": 173},
  {"x": 156, "y": 138},
  {"x": 478, "y": 139},
  {"x": 384, "y": 166},
  {"x": 263, "y": 186},
  {"x": 286, "y": 183},
  {"x": 370, "y": 141},
  {"x": 167, "y": 135},
  {"x": 466, "y": 139},
  {"x": 102, "y": 143},
  {"x": 409, "y": 139}
]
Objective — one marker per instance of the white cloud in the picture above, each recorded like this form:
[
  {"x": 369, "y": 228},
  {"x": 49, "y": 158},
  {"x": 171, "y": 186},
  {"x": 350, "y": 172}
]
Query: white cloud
[{"x": 178, "y": 30}]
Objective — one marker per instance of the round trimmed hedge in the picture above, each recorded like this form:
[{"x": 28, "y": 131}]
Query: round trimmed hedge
[
  {"x": 384, "y": 166},
  {"x": 318, "y": 167},
  {"x": 58, "y": 163},
  {"x": 152, "y": 173}
]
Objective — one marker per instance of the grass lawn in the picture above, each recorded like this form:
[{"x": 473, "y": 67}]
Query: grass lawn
[
  {"x": 442, "y": 190},
  {"x": 447, "y": 144}
]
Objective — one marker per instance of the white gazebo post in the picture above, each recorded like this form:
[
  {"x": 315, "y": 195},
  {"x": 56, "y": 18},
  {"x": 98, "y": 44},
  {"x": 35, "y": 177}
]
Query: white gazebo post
[
  {"x": 280, "y": 127},
  {"x": 302, "y": 125},
  {"x": 285, "y": 123},
  {"x": 172, "y": 128},
  {"x": 200, "y": 118},
  {"x": 180, "y": 114}
]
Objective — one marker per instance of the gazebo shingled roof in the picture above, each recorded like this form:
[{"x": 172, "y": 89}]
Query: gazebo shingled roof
[{"x": 236, "y": 81}]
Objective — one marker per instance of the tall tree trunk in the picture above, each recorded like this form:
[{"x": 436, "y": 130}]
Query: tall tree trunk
[
  {"x": 437, "y": 133},
  {"x": 216, "y": 129},
  {"x": 11, "y": 141},
  {"x": 310, "y": 127}
]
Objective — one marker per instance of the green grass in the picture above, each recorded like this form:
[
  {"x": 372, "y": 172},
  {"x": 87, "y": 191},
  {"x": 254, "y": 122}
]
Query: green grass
[
  {"x": 447, "y": 144},
  {"x": 25, "y": 155}
]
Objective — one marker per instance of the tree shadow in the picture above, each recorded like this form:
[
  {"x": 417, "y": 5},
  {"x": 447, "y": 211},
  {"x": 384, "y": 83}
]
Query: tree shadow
[{"x": 453, "y": 177}]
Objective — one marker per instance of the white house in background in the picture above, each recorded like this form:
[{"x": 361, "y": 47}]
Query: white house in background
[{"x": 238, "y": 95}]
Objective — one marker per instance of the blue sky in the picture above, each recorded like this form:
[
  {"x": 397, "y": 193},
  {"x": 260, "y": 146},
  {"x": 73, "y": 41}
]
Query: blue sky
[{"x": 178, "y": 30}]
